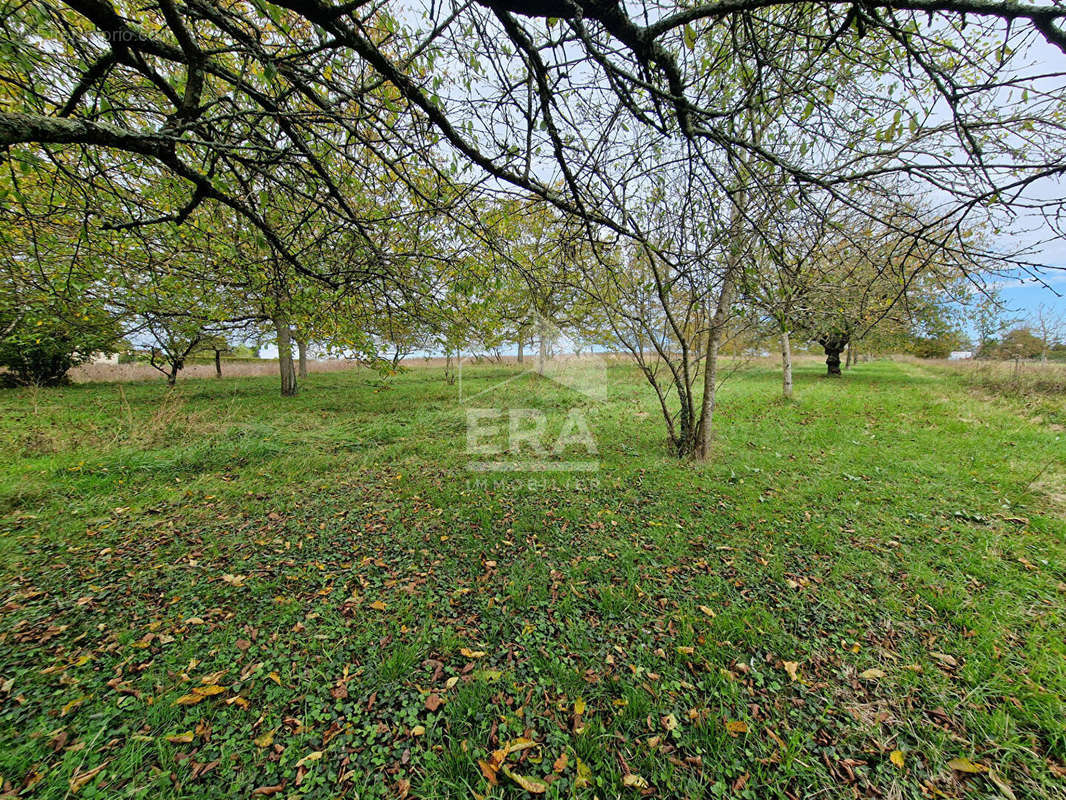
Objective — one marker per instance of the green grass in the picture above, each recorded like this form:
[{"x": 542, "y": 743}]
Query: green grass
[{"x": 893, "y": 520}]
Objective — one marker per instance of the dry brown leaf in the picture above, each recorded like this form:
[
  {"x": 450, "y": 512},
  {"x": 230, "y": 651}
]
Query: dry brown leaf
[
  {"x": 267, "y": 791},
  {"x": 79, "y": 780}
]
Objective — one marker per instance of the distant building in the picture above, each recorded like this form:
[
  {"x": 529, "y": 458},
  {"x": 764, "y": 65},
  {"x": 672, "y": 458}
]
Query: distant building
[{"x": 960, "y": 355}]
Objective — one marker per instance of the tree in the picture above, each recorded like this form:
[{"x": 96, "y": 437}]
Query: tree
[
  {"x": 1021, "y": 343},
  {"x": 1049, "y": 324},
  {"x": 41, "y": 341}
]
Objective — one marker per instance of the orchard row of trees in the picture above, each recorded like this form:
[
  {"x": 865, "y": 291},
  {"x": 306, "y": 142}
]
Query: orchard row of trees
[{"x": 648, "y": 176}]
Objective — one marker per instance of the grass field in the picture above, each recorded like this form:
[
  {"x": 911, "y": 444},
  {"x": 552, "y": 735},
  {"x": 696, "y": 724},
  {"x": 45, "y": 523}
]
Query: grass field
[{"x": 215, "y": 592}]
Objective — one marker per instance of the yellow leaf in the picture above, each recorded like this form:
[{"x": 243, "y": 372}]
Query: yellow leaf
[
  {"x": 377, "y": 605},
  {"x": 896, "y": 757},
  {"x": 584, "y": 775},
  {"x": 450, "y": 683},
  {"x": 965, "y": 765},
  {"x": 309, "y": 758},
  {"x": 180, "y": 738},
  {"x": 264, "y": 739},
  {"x": 669, "y": 722},
  {"x": 275, "y": 677},
  {"x": 708, "y": 611},
  {"x": 189, "y": 699},
  {"x": 686, "y": 651},
  {"x": 736, "y": 727},
  {"x": 635, "y": 781},
  {"x": 872, "y": 674},
  {"x": 516, "y": 745},
  {"x": 466, "y": 652},
  {"x": 418, "y": 730},
  {"x": 579, "y": 706},
  {"x": 792, "y": 668},
  {"x": 531, "y": 785},
  {"x": 72, "y": 705},
  {"x": 208, "y": 691}
]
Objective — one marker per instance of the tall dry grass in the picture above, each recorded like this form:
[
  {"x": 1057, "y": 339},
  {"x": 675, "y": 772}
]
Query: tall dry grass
[
  {"x": 126, "y": 373},
  {"x": 1021, "y": 377}
]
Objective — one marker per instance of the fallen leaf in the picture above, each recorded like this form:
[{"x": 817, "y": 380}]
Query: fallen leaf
[
  {"x": 78, "y": 781},
  {"x": 418, "y": 730},
  {"x": 275, "y": 677},
  {"x": 450, "y": 683},
  {"x": 635, "y": 781},
  {"x": 309, "y": 758},
  {"x": 708, "y": 611},
  {"x": 584, "y": 774},
  {"x": 965, "y": 765},
  {"x": 531, "y": 785},
  {"x": 1001, "y": 784},
  {"x": 267, "y": 791},
  {"x": 264, "y": 739},
  {"x": 736, "y": 727},
  {"x": 872, "y": 674},
  {"x": 792, "y": 668},
  {"x": 377, "y": 605},
  {"x": 579, "y": 706},
  {"x": 945, "y": 659},
  {"x": 896, "y": 757},
  {"x": 180, "y": 738},
  {"x": 560, "y": 763},
  {"x": 466, "y": 652},
  {"x": 489, "y": 771},
  {"x": 433, "y": 702}
]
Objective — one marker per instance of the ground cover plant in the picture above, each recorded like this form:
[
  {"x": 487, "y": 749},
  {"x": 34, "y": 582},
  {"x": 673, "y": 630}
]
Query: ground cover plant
[{"x": 211, "y": 591}]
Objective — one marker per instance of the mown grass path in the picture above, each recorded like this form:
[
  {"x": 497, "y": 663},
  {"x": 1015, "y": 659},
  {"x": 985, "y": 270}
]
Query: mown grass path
[{"x": 219, "y": 593}]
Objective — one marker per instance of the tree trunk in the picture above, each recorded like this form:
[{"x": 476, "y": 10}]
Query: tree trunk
[
  {"x": 847, "y": 358},
  {"x": 172, "y": 376},
  {"x": 786, "y": 365},
  {"x": 832, "y": 360},
  {"x": 854, "y": 348},
  {"x": 301, "y": 347},
  {"x": 542, "y": 350},
  {"x": 218, "y": 364},
  {"x": 521, "y": 350},
  {"x": 285, "y": 365}
]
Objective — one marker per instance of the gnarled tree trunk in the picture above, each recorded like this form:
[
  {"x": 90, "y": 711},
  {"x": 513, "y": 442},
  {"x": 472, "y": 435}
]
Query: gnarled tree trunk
[{"x": 833, "y": 344}]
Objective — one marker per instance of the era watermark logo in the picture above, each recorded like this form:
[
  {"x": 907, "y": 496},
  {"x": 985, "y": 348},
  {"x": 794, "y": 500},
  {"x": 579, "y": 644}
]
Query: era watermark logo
[
  {"x": 508, "y": 437},
  {"x": 518, "y": 440}
]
